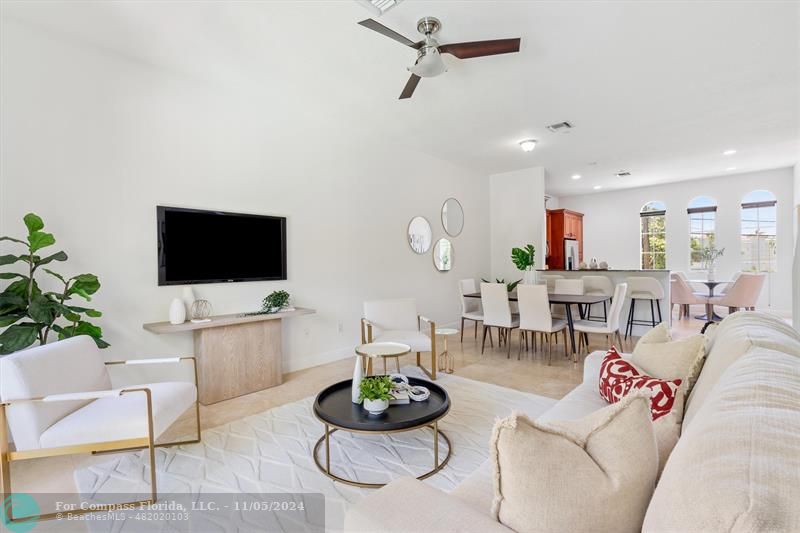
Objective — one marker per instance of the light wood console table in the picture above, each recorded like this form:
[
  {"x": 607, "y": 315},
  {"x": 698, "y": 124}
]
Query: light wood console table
[{"x": 236, "y": 354}]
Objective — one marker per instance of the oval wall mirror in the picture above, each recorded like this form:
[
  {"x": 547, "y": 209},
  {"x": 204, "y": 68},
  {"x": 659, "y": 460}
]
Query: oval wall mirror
[
  {"x": 443, "y": 255},
  {"x": 420, "y": 235},
  {"x": 452, "y": 217}
]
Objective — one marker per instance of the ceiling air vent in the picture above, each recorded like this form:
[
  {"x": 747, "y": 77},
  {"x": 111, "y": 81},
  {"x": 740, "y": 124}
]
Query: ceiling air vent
[
  {"x": 378, "y": 7},
  {"x": 560, "y": 127},
  {"x": 623, "y": 174}
]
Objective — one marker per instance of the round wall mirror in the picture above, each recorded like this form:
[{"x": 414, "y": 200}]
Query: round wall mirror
[
  {"x": 420, "y": 235},
  {"x": 452, "y": 217},
  {"x": 443, "y": 255}
]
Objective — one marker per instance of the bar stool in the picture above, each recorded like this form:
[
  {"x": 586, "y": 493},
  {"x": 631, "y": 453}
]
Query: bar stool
[
  {"x": 644, "y": 288},
  {"x": 598, "y": 286}
]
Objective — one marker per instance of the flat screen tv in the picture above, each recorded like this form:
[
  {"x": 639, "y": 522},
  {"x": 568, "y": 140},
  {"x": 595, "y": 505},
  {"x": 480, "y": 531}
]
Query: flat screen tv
[{"x": 197, "y": 246}]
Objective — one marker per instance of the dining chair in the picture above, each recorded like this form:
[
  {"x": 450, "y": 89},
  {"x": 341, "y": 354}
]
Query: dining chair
[
  {"x": 565, "y": 286},
  {"x": 470, "y": 307},
  {"x": 609, "y": 328},
  {"x": 397, "y": 320},
  {"x": 647, "y": 289},
  {"x": 681, "y": 294},
  {"x": 742, "y": 294},
  {"x": 57, "y": 399},
  {"x": 550, "y": 280},
  {"x": 724, "y": 288},
  {"x": 598, "y": 286},
  {"x": 535, "y": 317},
  {"x": 497, "y": 313}
]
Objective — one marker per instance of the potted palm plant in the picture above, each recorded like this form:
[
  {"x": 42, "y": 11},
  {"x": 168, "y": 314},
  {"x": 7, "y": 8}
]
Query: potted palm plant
[
  {"x": 524, "y": 258},
  {"x": 375, "y": 393}
]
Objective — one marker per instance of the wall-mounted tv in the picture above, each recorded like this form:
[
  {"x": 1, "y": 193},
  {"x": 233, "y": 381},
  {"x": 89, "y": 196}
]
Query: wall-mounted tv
[{"x": 197, "y": 246}]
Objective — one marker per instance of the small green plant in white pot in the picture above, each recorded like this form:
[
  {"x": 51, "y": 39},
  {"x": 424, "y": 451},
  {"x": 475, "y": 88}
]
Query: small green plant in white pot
[{"x": 375, "y": 393}]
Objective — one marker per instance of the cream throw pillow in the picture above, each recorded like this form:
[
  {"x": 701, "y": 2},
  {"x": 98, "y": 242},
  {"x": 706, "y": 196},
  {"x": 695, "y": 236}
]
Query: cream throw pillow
[
  {"x": 593, "y": 474},
  {"x": 681, "y": 359},
  {"x": 658, "y": 334}
]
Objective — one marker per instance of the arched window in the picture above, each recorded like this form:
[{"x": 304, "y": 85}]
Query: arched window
[
  {"x": 702, "y": 218},
  {"x": 652, "y": 227},
  {"x": 759, "y": 235}
]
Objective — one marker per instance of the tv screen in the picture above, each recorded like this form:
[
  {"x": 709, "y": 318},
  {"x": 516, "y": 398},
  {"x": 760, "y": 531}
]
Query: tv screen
[{"x": 211, "y": 247}]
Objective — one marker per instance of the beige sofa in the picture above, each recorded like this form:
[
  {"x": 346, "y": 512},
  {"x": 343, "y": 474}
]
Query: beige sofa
[{"x": 736, "y": 466}]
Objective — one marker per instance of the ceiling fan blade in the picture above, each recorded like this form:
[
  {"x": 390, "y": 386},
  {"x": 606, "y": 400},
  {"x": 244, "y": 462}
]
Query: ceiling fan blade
[
  {"x": 408, "y": 90},
  {"x": 383, "y": 30},
  {"x": 481, "y": 48}
]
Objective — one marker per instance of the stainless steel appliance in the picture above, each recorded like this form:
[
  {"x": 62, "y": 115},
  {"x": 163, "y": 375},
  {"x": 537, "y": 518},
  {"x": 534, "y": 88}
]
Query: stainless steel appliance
[{"x": 571, "y": 254}]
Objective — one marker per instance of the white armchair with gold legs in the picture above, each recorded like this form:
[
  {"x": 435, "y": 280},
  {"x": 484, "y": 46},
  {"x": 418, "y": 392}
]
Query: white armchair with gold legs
[
  {"x": 397, "y": 321},
  {"x": 57, "y": 399}
]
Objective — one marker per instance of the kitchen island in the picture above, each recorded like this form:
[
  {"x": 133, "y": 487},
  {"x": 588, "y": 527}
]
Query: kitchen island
[{"x": 642, "y": 310}]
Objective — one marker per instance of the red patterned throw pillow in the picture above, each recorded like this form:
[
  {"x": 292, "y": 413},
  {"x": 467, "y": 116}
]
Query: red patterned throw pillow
[{"x": 618, "y": 377}]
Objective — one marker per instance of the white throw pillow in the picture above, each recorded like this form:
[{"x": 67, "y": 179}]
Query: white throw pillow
[
  {"x": 680, "y": 359},
  {"x": 593, "y": 474},
  {"x": 658, "y": 334}
]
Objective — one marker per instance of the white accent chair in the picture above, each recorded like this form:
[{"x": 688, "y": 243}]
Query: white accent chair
[
  {"x": 57, "y": 399},
  {"x": 497, "y": 313},
  {"x": 470, "y": 307},
  {"x": 682, "y": 295},
  {"x": 397, "y": 320},
  {"x": 535, "y": 317},
  {"x": 610, "y": 328},
  {"x": 646, "y": 289},
  {"x": 741, "y": 294},
  {"x": 598, "y": 286}
]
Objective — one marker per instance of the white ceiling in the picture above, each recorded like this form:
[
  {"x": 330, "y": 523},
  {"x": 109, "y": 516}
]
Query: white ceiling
[{"x": 659, "y": 89}]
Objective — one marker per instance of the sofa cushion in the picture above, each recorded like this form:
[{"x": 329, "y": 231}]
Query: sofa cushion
[
  {"x": 71, "y": 365},
  {"x": 736, "y": 466},
  {"x": 122, "y": 417},
  {"x": 542, "y": 470},
  {"x": 681, "y": 359},
  {"x": 657, "y": 335},
  {"x": 734, "y": 337},
  {"x": 477, "y": 489}
]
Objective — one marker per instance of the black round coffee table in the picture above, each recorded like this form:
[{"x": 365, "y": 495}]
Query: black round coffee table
[{"x": 335, "y": 409}]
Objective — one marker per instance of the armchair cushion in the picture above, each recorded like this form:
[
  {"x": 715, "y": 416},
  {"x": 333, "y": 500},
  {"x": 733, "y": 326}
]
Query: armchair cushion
[
  {"x": 122, "y": 417},
  {"x": 418, "y": 341},
  {"x": 71, "y": 365},
  {"x": 398, "y": 314}
]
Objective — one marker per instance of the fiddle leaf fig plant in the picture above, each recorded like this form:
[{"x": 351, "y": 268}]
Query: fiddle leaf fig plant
[{"x": 30, "y": 314}]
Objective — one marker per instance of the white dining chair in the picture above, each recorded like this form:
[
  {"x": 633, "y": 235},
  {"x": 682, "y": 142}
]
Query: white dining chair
[
  {"x": 397, "y": 321},
  {"x": 497, "y": 313},
  {"x": 598, "y": 286},
  {"x": 682, "y": 295},
  {"x": 470, "y": 307},
  {"x": 644, "y": 289},
  {"x": 565, "y": 286},
  {"x": 610, "y": 328},
  {"x": 550, "y": 280},
  {"x": 742, "y": 294},
  {"x": 535, "y": 317}
]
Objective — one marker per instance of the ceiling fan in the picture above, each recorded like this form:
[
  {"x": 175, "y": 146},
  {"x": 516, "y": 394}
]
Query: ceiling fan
[{"x": 429, "y": 62}]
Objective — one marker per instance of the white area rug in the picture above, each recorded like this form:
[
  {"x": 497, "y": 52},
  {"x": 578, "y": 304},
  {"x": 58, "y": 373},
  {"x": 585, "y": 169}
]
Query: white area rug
[{"x": 271, "y": 453}]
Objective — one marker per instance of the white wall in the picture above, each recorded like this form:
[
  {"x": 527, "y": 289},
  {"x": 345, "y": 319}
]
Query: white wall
[
  {"x": 611, "y": 225},
  {"x": 517, "y": 218},
  {"x": 93, "y": 141},
  {"x": 796, "y": 265}
]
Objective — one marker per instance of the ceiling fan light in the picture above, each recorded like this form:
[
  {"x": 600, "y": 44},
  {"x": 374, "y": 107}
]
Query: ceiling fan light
[{"x": 429, "y": 65}]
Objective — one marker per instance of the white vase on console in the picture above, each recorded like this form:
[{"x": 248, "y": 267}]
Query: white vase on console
[
  {"x": 529, "y": 277},
  {"x": 358, "y": 375},
  {"x": 188, "y": 299},
  {"x": 177, "y": 311}
]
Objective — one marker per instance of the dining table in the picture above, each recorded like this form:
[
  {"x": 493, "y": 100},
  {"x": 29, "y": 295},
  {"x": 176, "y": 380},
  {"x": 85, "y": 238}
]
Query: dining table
[
  {"x": 711, "y": 284},
  {"x": 567, "y": 300}
]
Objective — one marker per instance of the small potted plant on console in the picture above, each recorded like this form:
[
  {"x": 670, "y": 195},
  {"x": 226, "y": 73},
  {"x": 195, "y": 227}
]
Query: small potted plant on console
[{"x": 375, "y": 393}]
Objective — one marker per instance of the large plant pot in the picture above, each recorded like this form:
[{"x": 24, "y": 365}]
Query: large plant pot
[{"x": 376, "y": 407}]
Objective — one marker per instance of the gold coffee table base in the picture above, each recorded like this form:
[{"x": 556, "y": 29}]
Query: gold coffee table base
[{"x": 326, "y": 469}]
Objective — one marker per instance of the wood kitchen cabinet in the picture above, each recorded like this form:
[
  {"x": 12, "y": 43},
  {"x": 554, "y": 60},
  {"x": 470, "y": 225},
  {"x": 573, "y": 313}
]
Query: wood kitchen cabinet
[{"x": 562, "y": 224}]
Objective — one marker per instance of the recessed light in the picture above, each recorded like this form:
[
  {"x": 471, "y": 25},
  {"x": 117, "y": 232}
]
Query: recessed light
[
  {"x": 576, "y": 176},
  {"x": 597, "y": 187},
  {"x": 729, "y": 152},
  {"x": 730, "y": 168},
  {"x": 528, "y": 145}
]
